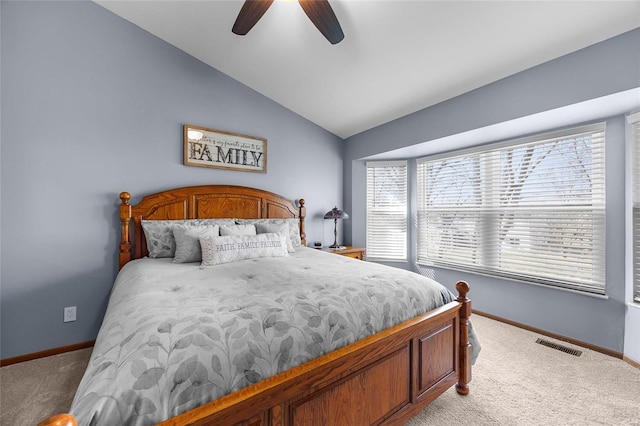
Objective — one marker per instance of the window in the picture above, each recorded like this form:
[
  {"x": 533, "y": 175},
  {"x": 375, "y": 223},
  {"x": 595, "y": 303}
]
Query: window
[
  {"x": 635, "y": 125},
  {"x": 530, "y": 210},
  {"x": 387, "y": 210}
]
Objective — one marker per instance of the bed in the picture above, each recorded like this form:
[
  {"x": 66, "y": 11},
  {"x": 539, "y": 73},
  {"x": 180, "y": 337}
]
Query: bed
[{"x": 404, "y": 354}]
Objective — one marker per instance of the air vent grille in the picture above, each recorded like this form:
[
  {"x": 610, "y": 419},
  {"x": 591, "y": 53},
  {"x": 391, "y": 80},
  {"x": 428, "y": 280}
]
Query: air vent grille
[{"x": 556, "y": 346}]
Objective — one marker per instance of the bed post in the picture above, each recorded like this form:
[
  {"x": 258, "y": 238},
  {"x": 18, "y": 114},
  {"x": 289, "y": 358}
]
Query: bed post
[
  {"x": 59, "y": 420},
  {"x": 125, "y": 235},
  {"x": 464, "y": 376},
  {"x": 302, "y": 214}
]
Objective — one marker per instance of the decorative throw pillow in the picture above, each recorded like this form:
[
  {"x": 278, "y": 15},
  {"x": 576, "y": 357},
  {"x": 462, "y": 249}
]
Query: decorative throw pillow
[
  {"x": 188, "y": 243},
  {"x": 159, "y": 234},
  {"x": 231, "y": 248},
  {"x": 265, "y": 228},
  {"x": 248, "y": 229},
  {"x": 294, "y": 227},
  {"x": 294, "y": 231},
  {"x": 160, "y": 241}
]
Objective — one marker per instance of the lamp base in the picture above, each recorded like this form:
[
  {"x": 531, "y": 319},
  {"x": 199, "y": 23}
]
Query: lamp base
[{"x": 334, "y": 246}]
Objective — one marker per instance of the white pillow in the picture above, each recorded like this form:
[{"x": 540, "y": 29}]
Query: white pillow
[
  {"x": 248, "y": 229},
  {"x": 265, "y": 228},
  {"x": 188, "y": 243},
  {"x": 231, "y": 248}
]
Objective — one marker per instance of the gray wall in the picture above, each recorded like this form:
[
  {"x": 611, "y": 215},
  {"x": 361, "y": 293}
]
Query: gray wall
[
  {"x": 93, "y": 105},
  {"x": 606, "y": 68}
]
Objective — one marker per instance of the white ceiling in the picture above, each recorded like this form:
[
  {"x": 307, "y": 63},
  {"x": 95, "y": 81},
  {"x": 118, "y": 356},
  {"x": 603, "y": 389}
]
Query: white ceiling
[{"x": 397, "y": 57}]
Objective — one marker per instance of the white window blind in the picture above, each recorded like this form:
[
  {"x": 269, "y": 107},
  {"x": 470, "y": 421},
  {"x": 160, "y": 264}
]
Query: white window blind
[
  {"x": 635, "y": 126},
  {"x": 530, "y": 210},
  {"x": 387, "y": 210}
]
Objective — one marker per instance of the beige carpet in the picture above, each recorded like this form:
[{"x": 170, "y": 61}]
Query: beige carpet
[
  {"x": 34, "y": 390},
  {"x": 519, "y": 382},
  {"x": 515, "y": 382}
]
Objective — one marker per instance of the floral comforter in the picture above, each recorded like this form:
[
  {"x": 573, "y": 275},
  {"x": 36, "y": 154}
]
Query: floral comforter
[{"x": 176, "y": 336}]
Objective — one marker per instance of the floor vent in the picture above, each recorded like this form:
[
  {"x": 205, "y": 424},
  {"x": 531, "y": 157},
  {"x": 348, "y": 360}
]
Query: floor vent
[{"x": 559, "y": 347}]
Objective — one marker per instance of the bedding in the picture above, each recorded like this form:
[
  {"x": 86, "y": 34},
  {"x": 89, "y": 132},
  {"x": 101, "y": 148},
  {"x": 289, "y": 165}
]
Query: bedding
[{"x": 176, "y": 336}]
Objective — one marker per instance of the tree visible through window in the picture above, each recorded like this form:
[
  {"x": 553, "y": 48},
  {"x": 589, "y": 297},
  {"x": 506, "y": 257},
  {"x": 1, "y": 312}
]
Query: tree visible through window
[{"x": 530, "y": 210}]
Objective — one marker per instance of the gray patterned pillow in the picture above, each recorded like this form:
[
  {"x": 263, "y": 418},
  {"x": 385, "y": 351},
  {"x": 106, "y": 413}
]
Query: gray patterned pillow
[
  {"x": 188, "y": 243},
  {"x": 160, "y": 241},
  {"x": 265, "y": 228},
  {"x": 294, "y": 227},
  {"x": 231, "y": 248},
  {"x": 159, "y": 235}
]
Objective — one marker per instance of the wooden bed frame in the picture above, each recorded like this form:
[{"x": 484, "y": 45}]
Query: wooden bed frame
[{"x": 383, "y": 379}]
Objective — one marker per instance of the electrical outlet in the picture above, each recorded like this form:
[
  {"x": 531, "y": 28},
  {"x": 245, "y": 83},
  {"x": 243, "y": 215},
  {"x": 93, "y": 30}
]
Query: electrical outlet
[{"x": 69, "y": 314}]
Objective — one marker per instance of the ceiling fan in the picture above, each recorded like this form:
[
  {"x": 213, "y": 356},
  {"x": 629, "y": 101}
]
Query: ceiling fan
[{"x": 319, "y": 11}]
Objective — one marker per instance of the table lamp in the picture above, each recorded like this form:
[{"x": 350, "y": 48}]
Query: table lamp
[{"x": 335, "y": 214}]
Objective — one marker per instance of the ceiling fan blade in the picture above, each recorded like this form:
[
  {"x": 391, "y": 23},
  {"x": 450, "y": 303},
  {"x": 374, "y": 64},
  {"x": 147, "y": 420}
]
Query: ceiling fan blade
[
  {"x": 322, "y": 16},
  {"x": 250, "y": 14}
]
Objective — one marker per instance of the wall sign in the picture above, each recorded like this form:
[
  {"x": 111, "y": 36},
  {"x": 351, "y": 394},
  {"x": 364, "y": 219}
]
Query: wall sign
[{"x": 205, "y": 147}]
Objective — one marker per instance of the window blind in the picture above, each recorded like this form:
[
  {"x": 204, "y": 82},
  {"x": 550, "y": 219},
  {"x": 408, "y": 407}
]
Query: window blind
[
  {"x": 530, "y": 209},
  {"x": 387, "y": 210},
  {"x": 635, "y": 127}
]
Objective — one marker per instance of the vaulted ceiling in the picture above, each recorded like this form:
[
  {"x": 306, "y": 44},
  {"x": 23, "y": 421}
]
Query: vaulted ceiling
[{"x": 397, "y": 57}]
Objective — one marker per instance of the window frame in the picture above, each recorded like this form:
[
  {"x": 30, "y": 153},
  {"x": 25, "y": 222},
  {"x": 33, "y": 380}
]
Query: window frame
[
  {"x": 485, "y": 251},
  {"x": 372, "y": 244},
  {"x": 634, "y": 121}
]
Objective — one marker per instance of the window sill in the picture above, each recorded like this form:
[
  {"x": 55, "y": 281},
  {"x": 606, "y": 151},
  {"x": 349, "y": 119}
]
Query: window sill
[
  {"x": 633, "y": 304},
  {"x": 514, "y": 280}
]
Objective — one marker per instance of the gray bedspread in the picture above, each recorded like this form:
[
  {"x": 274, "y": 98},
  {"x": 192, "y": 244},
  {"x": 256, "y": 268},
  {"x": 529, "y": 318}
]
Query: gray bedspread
[{"x": 176, "y": 336}]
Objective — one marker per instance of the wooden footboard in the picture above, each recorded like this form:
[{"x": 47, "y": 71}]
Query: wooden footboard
[{"x": 384, "y": 379}]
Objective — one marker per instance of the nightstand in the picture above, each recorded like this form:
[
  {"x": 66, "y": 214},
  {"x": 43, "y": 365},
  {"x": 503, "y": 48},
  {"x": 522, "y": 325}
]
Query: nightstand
[{"x": 350, "y": 251}]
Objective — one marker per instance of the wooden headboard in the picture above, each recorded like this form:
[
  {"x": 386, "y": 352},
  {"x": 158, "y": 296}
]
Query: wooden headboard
[{"x": 199, "y": 202}]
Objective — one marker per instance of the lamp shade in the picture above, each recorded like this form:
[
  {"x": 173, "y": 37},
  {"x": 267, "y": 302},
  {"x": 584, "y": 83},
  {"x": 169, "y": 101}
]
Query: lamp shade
[{"x": 336, "y": 213}]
